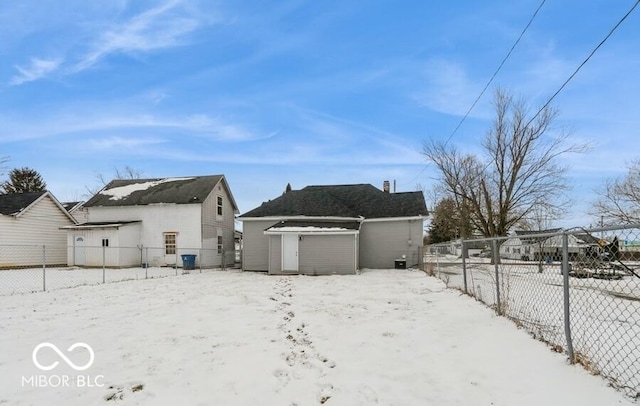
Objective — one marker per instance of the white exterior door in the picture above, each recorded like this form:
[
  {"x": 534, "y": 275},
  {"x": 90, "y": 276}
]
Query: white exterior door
[
  {"x": 290, "y": 252},
  {"x": 171, "y": 248},
  {"x": 79, "y": 254}
]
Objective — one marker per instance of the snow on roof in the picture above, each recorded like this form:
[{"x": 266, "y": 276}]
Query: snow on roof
[
  {"x": 310, "y": 229},
  {"x": 121, "y": 192}
]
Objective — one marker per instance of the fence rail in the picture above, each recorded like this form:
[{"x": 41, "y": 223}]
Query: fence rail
[
  {"x": 577, "y": 290},
  {"x": 37, "y": 268}
]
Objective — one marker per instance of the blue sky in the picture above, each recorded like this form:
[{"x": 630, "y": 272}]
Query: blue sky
[{"x": 306, "y": 92}]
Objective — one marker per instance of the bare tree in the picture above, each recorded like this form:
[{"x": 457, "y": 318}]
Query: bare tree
[
  {"x": 127, "y": 172},
  {"x": 518, "y": 174},
  {"x": 619, "y": 199}
]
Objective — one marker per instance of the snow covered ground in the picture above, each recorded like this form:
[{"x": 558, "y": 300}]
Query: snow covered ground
[
  {"x": 28, "y": 280},
  {"x": 605, "y": 314},
  {"x": 388, "y": 337}
]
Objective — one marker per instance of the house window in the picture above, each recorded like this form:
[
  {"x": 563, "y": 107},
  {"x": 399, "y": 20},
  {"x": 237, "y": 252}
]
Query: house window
[
  {"x": 219, "y": 205},
  {"x": 105, "y": 242},
  {"x": 220, "y": 244},
  {"x": 169, "y": 243}
]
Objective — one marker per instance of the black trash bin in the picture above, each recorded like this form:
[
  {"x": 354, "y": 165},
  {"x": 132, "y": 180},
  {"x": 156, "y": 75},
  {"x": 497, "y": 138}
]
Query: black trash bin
[
  {"x": 400, "y": 264},
  {"x": 188, "y": 262}
]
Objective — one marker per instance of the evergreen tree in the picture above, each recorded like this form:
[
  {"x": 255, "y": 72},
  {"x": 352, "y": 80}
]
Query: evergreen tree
[
  {"x": 23, "y": 180},
  {"x": 448, "y": 222}
]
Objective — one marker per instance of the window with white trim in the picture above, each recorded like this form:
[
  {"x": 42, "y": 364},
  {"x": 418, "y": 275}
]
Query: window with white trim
[
  {"x": 219, "y": 206},
  {"x": 220, "y": 247}
]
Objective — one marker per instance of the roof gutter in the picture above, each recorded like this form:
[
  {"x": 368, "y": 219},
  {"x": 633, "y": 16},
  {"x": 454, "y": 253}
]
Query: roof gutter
[
  {"x": 382, "y": 219},
  {"x": 280, "y": 218}
]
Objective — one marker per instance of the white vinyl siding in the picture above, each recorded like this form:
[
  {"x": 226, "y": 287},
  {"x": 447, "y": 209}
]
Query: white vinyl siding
[
  {"x": 122, "y": 251},
  {"x": 155, "y": 221},
  {"x": 38, "y": 226}
]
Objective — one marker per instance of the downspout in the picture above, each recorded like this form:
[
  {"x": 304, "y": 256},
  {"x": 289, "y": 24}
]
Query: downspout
[
  {"x": 269, "y": 256},
  {"x": 357, "y": 242}
]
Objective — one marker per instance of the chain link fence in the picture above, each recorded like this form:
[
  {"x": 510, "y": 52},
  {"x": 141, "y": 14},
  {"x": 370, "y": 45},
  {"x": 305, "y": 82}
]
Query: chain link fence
[
  {"x": 38, "y": 268},
  {"x": 577, "y": 290}
]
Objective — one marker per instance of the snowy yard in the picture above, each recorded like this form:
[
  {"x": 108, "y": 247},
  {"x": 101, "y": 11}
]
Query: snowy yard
[
  {"x": 388, "y": 337},
  {"x": 605, "y": 314},
  {"x": 16, "y": 281}
]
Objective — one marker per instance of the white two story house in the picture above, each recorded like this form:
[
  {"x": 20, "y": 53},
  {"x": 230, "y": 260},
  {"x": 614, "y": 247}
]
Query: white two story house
[{"x": 153, "y": 222}]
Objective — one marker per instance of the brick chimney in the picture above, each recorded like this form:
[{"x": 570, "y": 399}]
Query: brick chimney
[{"x": 386, "y": 186}]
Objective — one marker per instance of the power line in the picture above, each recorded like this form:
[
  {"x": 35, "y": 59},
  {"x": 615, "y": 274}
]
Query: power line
[
  {"x": 615, "y": 27},
  {"x": 496, "y": 72},
  {"x": 524, "y": 30}
]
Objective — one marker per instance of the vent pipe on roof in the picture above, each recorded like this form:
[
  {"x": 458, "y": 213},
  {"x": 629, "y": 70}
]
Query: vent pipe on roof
[{"x": 386, "y": 186}]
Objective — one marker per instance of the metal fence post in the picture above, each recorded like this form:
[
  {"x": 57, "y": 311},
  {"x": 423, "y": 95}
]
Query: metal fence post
[
  {"x": 438, "y": 261},
  {"x": 223, "y": 259},
  {"x": 565, "y": 288},
  {"x": 44, "y": 268},
  {"x": 496, "y": 257},
  {"x": 103, "y": 262},
  {"x": 146, "y": 268},
  {"x": 464, "y": 266}
]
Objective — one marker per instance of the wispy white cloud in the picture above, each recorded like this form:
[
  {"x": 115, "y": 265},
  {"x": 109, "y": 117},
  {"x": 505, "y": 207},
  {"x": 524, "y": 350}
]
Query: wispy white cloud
[
  {"x": 160, "y": 27},
  {"x": 164, "y": 26},
  {"x": 37, "y": 69},
  {"x": 449, "y": 89},
  {"x": 194, "y": 125},
  {"x": 156, "y": 96},
  {"x": 123, "y": 143}
]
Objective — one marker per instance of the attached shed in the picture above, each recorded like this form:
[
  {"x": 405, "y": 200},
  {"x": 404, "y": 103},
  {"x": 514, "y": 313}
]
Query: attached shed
[
  {"x": 313, "y": 248},
  {"x": 114, "y": 243}
]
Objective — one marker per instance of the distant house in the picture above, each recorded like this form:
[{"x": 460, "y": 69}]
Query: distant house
[
  {"x": 538, "y": 245},
  {"x": 29, "y": 222},
  {"x": 155, "y": 221},
  {"x": 77, "y": 211},
  {"x": 333, "y": 229}
]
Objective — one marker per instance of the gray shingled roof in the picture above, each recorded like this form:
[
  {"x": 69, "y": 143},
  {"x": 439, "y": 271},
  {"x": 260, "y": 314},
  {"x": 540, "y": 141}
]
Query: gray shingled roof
[
  {"x": 14, "y": 203},
  {"x": 529, "y": 237},
  {"x": 361, "y": 200},
  {"x": 134, "y": 192}
]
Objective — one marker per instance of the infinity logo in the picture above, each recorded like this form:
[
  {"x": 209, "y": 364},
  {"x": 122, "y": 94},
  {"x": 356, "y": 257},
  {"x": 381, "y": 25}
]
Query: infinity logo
[{"x": 40, "y": 346}]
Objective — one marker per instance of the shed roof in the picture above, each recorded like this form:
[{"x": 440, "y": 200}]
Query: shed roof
[
  {"x": 135, "y": 192},
  {"x": 531, "y": 237},
  {"x": 301, "y": 226},
  {"x": 359, "y": 200},
  {"x": 14, "y": 203}
]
